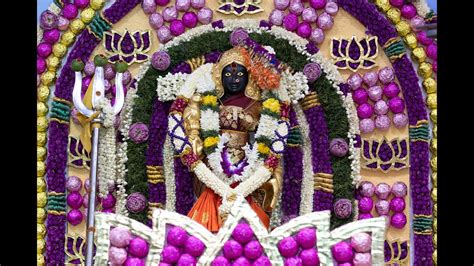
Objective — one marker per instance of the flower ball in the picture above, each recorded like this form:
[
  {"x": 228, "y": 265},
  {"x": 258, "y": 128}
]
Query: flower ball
[
  {"x": 238, "y": 36},
  {"x": 241, "y": 261},
  {"x": 253, "y": 250},
  {"x": 205, "y": 15},
  {"x": 296, "y": 7},
  {"x": 232, "y": 249},
  {"x": 73, "y": 183},
  {"x": 177, "y": 27},
  {"x": 117, "y": 255},
  {"x": 338, "y": 147},
  {"x": 396, "y": 105},
  {"x": 366, "y": 189},
  {"x": 170, "y": 254},
  {"x": 382, "y": 122},
  {"x": 398, "y": 220},
  {"x": 397, "y": 204},
  {"x": 354, "y": 81},
  {"x": 164, "y": 35},
  {"x": 220, "y": 261},
  {"x": 361, "y": 242},
  {"x": 131, "y": 261},
  {"x": 386, "y": 75},
  {"x": 290, "y": 22},
  {"x": 293, "y": 261},
  {"x": 194, "y": 246},
  {"x": 177, "y": 236},
  {"x": 399, "y": 189},
  {"x": 375, "y": 93},
  {"x": 288, "y": 247},
  {"x": 317, "y": 4},
  {"x": 309, "y": 257},
  {"x": 190, "y": 19},
  {"x": 365, "y": 205},
  {"x": 317, "y": 36},
  {"x": 342, "y": 252},
  {"x": 74, "y": 200},
  {"x": 262, "y": 261},
  {"x": 242, "y": 233},
  {"x": 312, "y": 71},
  {"x": 109, "y": 201},
  {"x": 370, "y": 78},
  {"x": 136, "y": 202},
  {"x": 400, "y": 120},
  {"x": 366, "y": 125},
  {"x": 382, "y": 207},
  {"x": 306, "y": 238},
  {"x": 365, "y": 110},
  {"x": 343, "y": 208},
  {"x": 325, "y": 21},
  {"x": 138, "y": 247},
  {"x": 155, "y": 20},
  {"x": 74, "y": 217},
  {"x": 120, "y": 237},
  {"x": 304, "y": 30},
  {"x": 186, "y": 260},
  {"x": 276, "y": 17},
  {"x": 391, "y": 90},
  {"x": 360, "y": 96},
  {"x": 309, "y": 15},
  {"x": 381, "y": 107},
  {"x": 281, "y": 4},
  {"x": 362, "y": 259},
  {"x": 382, "y": 190},
  {"x": 363, "y": 216},
  {"x": 161, "y": 60}
]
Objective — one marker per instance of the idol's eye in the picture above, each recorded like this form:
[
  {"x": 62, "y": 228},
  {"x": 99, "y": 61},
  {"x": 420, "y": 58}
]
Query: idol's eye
[
  {"x": 227, "y": 74},
  {"x": 240, "y": 74}
]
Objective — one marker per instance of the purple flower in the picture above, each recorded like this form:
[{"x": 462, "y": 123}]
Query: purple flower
[
  {"x": 218, "y": 24},
  {"x": 265, "y": 24},
  {"x": 182, "y": 67},
  {"x": 130, "y": 48},
  {"x": 212, "y": 57},
  {"x": 48, "y": 20},
  {"x": 311, "y": 48},
  {"x": 238, "y": 36},
  {"x": 354, "y": 54}
]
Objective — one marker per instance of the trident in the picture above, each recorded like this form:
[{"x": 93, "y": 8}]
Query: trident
[{"x": 97, "y": 119}]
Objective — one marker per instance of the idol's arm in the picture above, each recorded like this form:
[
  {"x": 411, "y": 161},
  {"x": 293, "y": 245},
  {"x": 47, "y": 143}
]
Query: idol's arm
[{"x": 191, "y": 116}]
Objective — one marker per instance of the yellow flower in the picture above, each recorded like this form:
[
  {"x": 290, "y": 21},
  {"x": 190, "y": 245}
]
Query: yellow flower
[
  {"x": 272, "y": 104},
  {"x": 210, "y": 141},
  {"x": 209, "y": 100},
  {"x": 263, "y": 149}
]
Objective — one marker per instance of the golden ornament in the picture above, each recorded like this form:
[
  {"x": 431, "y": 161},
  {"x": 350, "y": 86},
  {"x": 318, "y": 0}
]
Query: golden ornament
[
  {"x": 59, "y": 50},
  {"x": 53, "y": 63},
  {"x": 435, "y": 240},
  {"x": 40, "y": 245},
  {"x": 434, "y": 179},
  {"x": 434, "y": 194},
  {"x": 77, "y": 26},
  {"x": 40, "y": 231},
  {"x": 48, "y": 77},
  {"x": 40, "y": 185},
  {"x": 87, "y": 15},
  {"x": 434, "y": 144},
  {"x": 435, "y": 131},
  {"x": 434, "y": 115},
  {"x": 40, "y": 260},
  {"x": 432, "y": 101},
  {"x": 410, "y": 40},
  {"x": 394, "y": 15},
  {"x": 41, "y": 199},
  {"x": 435, "y": 210},
  {"x": 430, "y": 85},
  {"x": 41, "y": 138},
  {"x": 43, "y": 93},
  {"x": 435, "y": 225},
  {"x": 434, "y": 163},
  {"x": 40, "y": 215},
  {"x": 402, "y": 27},
  {"x": 383, "y": 4},
  {"x": 435, "y": 257},
  {"x": 40, "y": 168},
  {"x": 97, "y": 4},
  {"x": 419, "y": 54},
  {"x": 41, "y": 108},
  {"x": 41, "y": 124},
  {"x": 425, "y": 70},
  {"x": 68, "y": 38}
]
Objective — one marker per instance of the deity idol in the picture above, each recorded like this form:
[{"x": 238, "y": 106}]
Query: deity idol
[{"x": 239, "y": 108}]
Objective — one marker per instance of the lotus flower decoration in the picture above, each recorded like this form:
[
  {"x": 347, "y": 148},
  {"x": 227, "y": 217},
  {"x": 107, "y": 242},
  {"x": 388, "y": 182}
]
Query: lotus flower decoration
[
  {"x": 354, "y": 54},
  {"x": 129, "y": 47},
  {"x": 78, "y": 157},
  {"x": 385, "y": 155},
  {"x": 239, "y": 7},
  {"x": 396, "y": 252}
]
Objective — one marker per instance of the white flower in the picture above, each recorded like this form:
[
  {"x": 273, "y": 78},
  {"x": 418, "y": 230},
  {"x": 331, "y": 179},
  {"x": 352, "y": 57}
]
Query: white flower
[
  {"x": 266, "y": 126},
  {"x": 209, "y": 120},
  {"x": 200, "y": 80},
  {"x": 168, "y": 86}
]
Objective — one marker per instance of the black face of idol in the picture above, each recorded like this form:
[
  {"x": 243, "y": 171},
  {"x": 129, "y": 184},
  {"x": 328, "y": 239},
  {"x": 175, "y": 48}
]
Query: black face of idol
[{"x": 234, "y": 78}]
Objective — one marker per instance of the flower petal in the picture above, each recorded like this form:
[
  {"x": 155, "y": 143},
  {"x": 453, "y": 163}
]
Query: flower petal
[
  {"x": 116, "y": 40},
  {"x": 146, "y": 40},
  {"x": 108, "y": 42},
  {"x": 138, "y": 39},
  {"x": 126, "y": 45},
  {"x": 335, "y": 48}
]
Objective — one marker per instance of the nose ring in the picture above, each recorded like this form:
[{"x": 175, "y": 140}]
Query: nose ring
[{"x": 237, "y": 80}]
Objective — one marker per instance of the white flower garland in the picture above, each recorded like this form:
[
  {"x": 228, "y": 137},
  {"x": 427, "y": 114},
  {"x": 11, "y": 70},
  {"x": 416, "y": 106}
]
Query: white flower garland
[
  {"x": 168, "y": 171},
  {"x": 296, "y": 86},
  {"x": 421, "y": 7},
  {"x": 168, "y": 86}
]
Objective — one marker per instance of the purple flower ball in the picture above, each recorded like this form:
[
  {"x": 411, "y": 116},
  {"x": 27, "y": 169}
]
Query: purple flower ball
[
  {"x": 309, "y": 14},
  {"x": 365, "y": 110},
  {"x": 360, "y": 96},
  {"x": 220, "y": 261},
  {"x": 89, "y": 68},
  {"x": 156, "y": 20},
  {"x": 382, "y": 190},
  {"x": 309, "y": 257},
  {"x": 343, "y": 208},
  {"x": 205, "y": 15},
  {"x": 241, "y": 261},
  {"x": 164, "y": 35},
  {"x": 361, "y": 242},
  {"x": 190, "y": 19},
  {"x": 170, "y": 13},
  {"x": 416, "y": 23},
  {"x": 238, "y": 36},
  {"x": 40, "y": 65},
  {"x": 331, "y": 8},
  {"x": 73, "y": 183},
  {"x": 325, "y": 21},
  {"x": 312, "y": 71},
  {"x": 362, "y": 259},
  {"x": 363, "y": 216},
  {"x": 262, "y": 261},
  {"x": 253, "y": 250},
  {"x": 117, "y": 255},
  {"x": 276, "y": 17},
  {"x": 375, "y": 93},
  {"x": 400, "y": 120},
  {"x": 396, "y": 105},
  {"x": 281, "y": 4},
  {"x": 382, "y": 207},
  {"x": 381, "y": 107},
  {"x": 196, "y": 4},
  {"x": 120, "y": 237},
  {"x": 136, "y": 202},
  {"x": 398, "y": 220},
  {"x": 161, "y": 60},
  {"x": 194, "y": 246},
  {"x": 370, "y": 78},
  {"x": 338, "y": 147},
  {"x": 177, "y": 236},
  {"x": 109, "y": 72},
  {"x": 242, "y": 233},
  {"x": 232, "y": 249},
  {"x": 126, "y": 77},
  {"x": 288, "y": 247},
  {"x": 317, "y": 4},
  {"x": 51, "y": 36},
  {"x": 342, "y": 252},
  {"x": 304, "y": 30},
  {"x": 354, "y": 81},
  {"x": 366, "y": 189},
  {"x": 317, "y": 36},
  {"x": 408, "y": 11},
  {"x": 293, "y": 261},
  {"x": 109, "y": 201},
  {"x": 386, "y": 75},
  {"x": 138, "y": 132},
  {"x": 48, "y": 20},
  {"x": 396, "y": 3},
  {"x": 81, "y": 3},
  {"x": 74, "y": 200},
  {"x": 132, "y": 261},
  {"x": 397, "y": 204},
  {"x": 306, "y": 238},
  {"x": 399, "y": 189},
  {"x": 138, "y": 247},
  {"x": 391, "y": 90},
  {"x": 162, "y": 2},
  {"x": 290, "y": 22},
  {"x": 69, "y": 11},
  {"x": 382, "y": 122},
  {"x": 149, "y": 6},
  {"x": 366, "y": 125},
  {"x": 177, "y": 27},
  {"x": 44, "y": 49},
  {"x": 423, "y": 38},
  {"x": 186, "y": 260},
  {"x": 365, "y": 205},
  {"x": 296, "y": 7},
  {"x": 74, "y": 217},
  {"x": 170, "y": 254},
  {"x": 183, "y": 5}
]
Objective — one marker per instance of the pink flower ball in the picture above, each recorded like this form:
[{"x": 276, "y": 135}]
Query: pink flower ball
[
  {"x": 309, "y": 257},
  {"x": 253, "y": 250},
  {"x": 186, "y": 260},
  {"x": 366, "y": 125},
  {"x": 40, "y": 65},
  {"x": 74, "y": 217},
  {"x": 290, "y": 22},
  {"x": 164, "y": 34},
  {"x": 362, "y": 259},
  {"x": 170, "y": 13},
  {"x": 375, "y": 93},
  {"x": 345, "y": 264},
  {"x": 408, "y": 11},
  {"x": 162, "y": 2},
  {"x": 262, "y": 261},
  {"x": 87, "y": 185},
  {"x": 416, "y": 23},
  {"x": 85, "y": 200},
  {"x": 149, "y": 6},
  {"x": 365, "y": 110},
  {"x": 177, "y": 27},
  {"x": 306, "y": 238},
  {"x": 397, "y": 204},
  {"x": 177, "y": 236},
  {"x": 382, "y": 190},
  {"x": 170, "y": 254},
  {"x": 398, "y": 220},
  {"x": 288, "y": 247},
  {"x": 156, "y": 20},
  {"x": 293, "y": 261},
  {"x": 386, "y": 75},
  {"x": 360, "y": 96},
  {"x": 361, "y": 242},
  {"x": 317, "y": 4},
  {"x": 382, "y": 122},
  {"x": 281, "y": 4},
  {"x": 232, "y": 249},
  {"x": 81, "y": 3},
  {"x": 190, "y": 19},
  {"x": 363, "y": 216},
  {"x": 120, "y": 237},
  {"x": 309, "y": 15},
  {"x": 296, "y": 7},
  {"x": 399, "y": 189},
  {"x": 109, "y": 201},
  {"x": 220, "y": 261},
  {"x": 70, "y": 11},
  {"x": 44, "y": 49},
  {"x": 131, "y": 261},
  {"x": 63, "y": 23},
  {"x": 304, "y": 30},
  {"x": 73, "y": 183},
  {"x": 331, "y": 8},
  {"x": 196, "y": 4},
  {"x": 396, "y": 3},
  {"x": 205, "y": 15},
  {"x": 423, "y": 38},
  {"x": 109, "y": 72},
  {"x": 400, "y": 120},
  {"x": 342, "y": 252},
  {"x": 317, "y": 36},
  {"x": 381, "y": 107},
  {"x": 365, "y": 205},
  {"x": 370, "y": 78},
  {"x": 366, "y": 189},
  {"x": 74, "y": 200},
  {"x": 194, "y": 246},
  {"x": 183, "y": 5},
  {"x": 391, "y": 90},
  {"x": 382, "y": 207},
  {"x": 242, "y": 261},
  {"x": 276, "y": 17},
  {"x": 51, "y": 36},
  {"x": 138, "y": 247},
  {"x": 432, "y": 51},
  {"x": 242, "y": 233},
  {"x": 354, "y": 81},
  {"x": 117, "y": 255},
  {"x": 325, "y": 21},
  {"x": 396, "y": 104},
  {"x": 89, "y": 68}
]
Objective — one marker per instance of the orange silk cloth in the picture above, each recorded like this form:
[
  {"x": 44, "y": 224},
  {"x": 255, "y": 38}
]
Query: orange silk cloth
[{"x": 206, "y": 210}]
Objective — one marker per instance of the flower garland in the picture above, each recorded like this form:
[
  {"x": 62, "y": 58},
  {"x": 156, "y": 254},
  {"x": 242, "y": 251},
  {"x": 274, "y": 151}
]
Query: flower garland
[
  {"x": 168, "y": 169},
  {"x": 168, "y": 86}
]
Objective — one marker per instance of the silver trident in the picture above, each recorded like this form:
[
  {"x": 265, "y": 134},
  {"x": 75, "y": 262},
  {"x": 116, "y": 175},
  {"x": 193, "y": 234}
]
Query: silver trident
[{"x": 97, "y": 120}]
